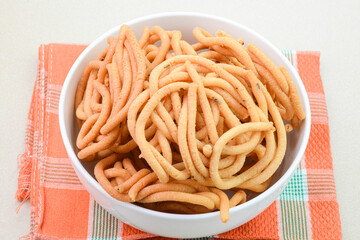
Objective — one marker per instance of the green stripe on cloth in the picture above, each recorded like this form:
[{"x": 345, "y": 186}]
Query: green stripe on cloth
[
  {"x": 294, "y": 198},
  {"x": 296, "y": 189},
  {"x": 105, "y": 226},
  {"x": 294, "y": 222},
  {"x": 289, "y": 55}
]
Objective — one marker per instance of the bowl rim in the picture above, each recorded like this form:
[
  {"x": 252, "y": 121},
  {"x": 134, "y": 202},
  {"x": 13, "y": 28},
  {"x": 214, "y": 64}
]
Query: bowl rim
[{"x": 283, "y": 180}]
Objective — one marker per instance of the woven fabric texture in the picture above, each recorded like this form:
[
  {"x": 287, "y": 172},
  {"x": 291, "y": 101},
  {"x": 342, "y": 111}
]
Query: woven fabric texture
[{"x": 61, "y": 208}]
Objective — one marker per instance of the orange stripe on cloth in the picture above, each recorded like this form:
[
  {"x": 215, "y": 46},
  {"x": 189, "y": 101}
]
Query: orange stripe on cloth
[
  {"x": 318, "y": 153},
  {"x": 64, "y": 55},
  {"x": 325, "y": 217},
  {"x": 53, "y": 138},
  {"x": 309, "y": 70},
  {"x": 61, "y": 218},
  {"x": 325, "y": 220},
  {"x": 130, "y": 232},
  {"x": 264, "y": 226}
]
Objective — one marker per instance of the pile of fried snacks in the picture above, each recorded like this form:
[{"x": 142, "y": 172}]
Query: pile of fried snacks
[{"x": 174, "y": 125}]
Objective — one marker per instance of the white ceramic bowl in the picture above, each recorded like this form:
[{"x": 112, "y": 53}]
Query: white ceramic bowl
[{"x": 176, "y": 225}]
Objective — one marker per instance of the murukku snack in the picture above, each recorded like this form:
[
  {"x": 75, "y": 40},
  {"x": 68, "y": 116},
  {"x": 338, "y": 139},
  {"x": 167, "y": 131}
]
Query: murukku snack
[{"x": 175, "y": 127}]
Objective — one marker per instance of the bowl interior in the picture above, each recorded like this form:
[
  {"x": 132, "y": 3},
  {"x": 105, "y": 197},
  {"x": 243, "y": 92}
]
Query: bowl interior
[{"x": 185, "y": 22}]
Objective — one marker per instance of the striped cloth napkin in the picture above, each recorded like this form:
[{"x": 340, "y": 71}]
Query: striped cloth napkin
[{"x": 61, "y": 208}]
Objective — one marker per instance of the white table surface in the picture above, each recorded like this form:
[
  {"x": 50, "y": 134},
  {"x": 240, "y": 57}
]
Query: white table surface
[{"x": 331, "y": 27}]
